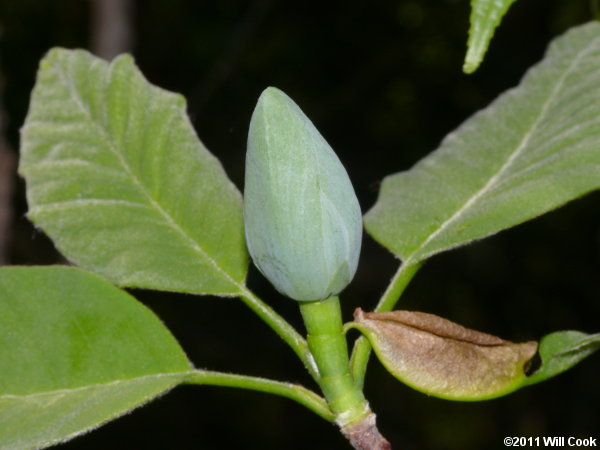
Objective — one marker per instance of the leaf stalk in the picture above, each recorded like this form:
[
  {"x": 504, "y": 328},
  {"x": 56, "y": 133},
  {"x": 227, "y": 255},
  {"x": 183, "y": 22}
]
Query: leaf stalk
[
  {"x": 295, "y": 392},
  {"x": 282, "y": 328},
  {"x": 362, "y": 347}
]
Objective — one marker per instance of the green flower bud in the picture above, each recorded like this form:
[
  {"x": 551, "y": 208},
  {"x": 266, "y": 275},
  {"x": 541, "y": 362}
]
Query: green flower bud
[{"x": 303, "y": 221}]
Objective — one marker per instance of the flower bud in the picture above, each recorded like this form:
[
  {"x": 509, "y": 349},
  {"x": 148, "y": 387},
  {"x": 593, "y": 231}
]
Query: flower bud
[{"x": 303, "y": 221}]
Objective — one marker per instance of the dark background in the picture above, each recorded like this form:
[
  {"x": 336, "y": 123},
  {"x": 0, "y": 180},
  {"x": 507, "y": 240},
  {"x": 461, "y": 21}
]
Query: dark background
[{"x": 382, "y": 81}]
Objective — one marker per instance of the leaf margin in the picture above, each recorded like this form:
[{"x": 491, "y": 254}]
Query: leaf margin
[{"x": 61, "y": 59}]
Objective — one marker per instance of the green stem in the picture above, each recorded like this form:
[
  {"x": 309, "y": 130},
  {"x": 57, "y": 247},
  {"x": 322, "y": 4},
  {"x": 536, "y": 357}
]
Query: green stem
[
  {"x": 294, "y": 392},
  {"x": 362, "y": 347},
  {"x": 327, "y": 343},
  {"x": 283, "y": 329}
]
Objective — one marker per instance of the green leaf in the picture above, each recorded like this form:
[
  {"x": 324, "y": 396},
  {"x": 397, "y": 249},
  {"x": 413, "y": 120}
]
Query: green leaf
[
  {"x": 485, "y": 17},
  {"x": 562, "y": 350},
  {"x": 533, "y": 149},
  {"x": 75, "y": 352},
  {"x": 117, "y": 177}
]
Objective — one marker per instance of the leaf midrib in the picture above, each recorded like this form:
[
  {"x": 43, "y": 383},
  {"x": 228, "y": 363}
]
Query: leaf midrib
[
  {"x": 66, "y": 391},
  {"x": 137, "y": 182},
  {"x": 459, "y": 213}
]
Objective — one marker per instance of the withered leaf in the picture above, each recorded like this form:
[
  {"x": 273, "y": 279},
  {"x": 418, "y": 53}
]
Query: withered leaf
[{"x": 444, "y": 359}]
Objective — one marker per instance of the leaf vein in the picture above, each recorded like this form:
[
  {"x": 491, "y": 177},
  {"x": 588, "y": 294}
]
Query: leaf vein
[
  {"x": 140, "y": 186},
  {"x": 472, "y": 200}
]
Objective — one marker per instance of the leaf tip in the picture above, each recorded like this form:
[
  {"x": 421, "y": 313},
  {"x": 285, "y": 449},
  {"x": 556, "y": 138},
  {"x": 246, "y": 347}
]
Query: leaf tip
[
  {"x": 471, "y": 64},
  {"x": 52, "y": 55}
]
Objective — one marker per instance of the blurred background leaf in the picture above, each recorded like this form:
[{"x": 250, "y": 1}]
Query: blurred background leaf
[{"x": 486, "y": 15}]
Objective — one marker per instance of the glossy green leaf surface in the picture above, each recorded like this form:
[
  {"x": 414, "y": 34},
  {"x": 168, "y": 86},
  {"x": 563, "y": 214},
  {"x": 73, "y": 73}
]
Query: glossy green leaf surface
[
  {"x": 75, "y": 352},
  {"x": 533, "y": 149},
  {"x": 117, "y": 177},
  {"x": 561, "y": 350},
  {"x": 485, "y": 18}
]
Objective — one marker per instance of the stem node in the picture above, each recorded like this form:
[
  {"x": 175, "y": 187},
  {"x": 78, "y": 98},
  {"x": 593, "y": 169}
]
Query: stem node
[{"x": 364, "y": 435}]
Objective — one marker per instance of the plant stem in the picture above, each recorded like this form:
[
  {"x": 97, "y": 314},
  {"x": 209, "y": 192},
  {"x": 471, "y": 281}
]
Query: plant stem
[
  {"x": 403, "y": 276},
  {"x": 327, "y": 343},
  {"x": 292, "y": 391},
  {"x": 283, "y": 329},
  {"x": 362, "y": 347}
]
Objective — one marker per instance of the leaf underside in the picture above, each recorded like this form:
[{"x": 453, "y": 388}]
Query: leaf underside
[
  {"x": 117, "y": 177},
  {"x": 443, "y": 359},
  {"x": 75, "y": 352},
  {"x": 533, "y": 149}
]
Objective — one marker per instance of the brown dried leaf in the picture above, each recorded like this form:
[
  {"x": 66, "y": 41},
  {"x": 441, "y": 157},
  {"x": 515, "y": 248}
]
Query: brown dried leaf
[{"x": 442, "y": 358}]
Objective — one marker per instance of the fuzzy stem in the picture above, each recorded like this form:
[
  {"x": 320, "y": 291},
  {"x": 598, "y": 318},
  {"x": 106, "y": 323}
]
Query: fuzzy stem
[
  {"x": 292, "y": 391},
  {"x": 283, "y": 329},
  {"x": 327, "y": 343}
]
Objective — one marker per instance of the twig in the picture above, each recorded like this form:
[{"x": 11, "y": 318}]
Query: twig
[{"x": 111, "y": 31}]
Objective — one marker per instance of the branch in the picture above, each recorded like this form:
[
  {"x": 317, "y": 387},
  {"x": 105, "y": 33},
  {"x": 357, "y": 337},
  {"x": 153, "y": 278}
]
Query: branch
[{"x": 111, "y": 31}]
